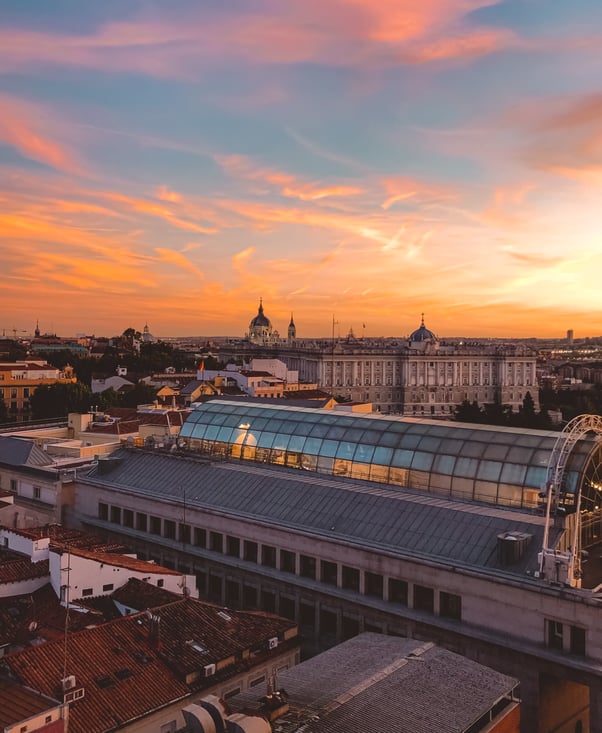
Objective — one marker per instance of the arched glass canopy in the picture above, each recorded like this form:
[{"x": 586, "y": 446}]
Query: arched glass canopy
[{"x": 505, "y": 466}]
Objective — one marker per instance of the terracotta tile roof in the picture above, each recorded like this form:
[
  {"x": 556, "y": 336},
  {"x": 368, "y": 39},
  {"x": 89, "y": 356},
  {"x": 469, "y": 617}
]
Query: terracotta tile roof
[
  {"x": 189, "y": 626},
  {"x": 123, "y": 561},
  {"x": 18, "y": 703},
  {"x": 40, "y": 616},
  {"x": 74, "y": 538},
  {"x": 106, "y": 653},
  {"x": 140, "y": 595},
  {"x": 15, "y": 567},
  {"x": 136, "y": 664}
]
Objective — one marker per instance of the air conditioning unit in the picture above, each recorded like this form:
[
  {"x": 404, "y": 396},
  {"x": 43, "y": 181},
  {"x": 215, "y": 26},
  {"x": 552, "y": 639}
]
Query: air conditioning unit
[
  {"x": 68, "y": 683},
  {"x": 74, "y": 695},
  {"x": 273, "y": 642},
  {"x": 209, "y": 670}
]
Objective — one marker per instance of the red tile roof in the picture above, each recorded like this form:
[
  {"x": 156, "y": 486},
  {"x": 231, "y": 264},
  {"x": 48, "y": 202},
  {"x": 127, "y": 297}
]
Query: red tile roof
[
  {"x": 15, "y": 567},
  {"x": 123, "y": 561},
  {"x": 63, "y": 537},
  {"x": 136, "y": 664},
  {"x": 99, "y": 654},
  {"x": 140, "y": 595},
  {"x": 17, "y": 703}
]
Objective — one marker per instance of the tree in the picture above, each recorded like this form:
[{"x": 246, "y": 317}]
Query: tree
[
  {"x": 58, "y": 400},
  {"x": 4, "y": 414},
  {"x": 141, "y": 394},
  {"x": 469, "y": 412}
]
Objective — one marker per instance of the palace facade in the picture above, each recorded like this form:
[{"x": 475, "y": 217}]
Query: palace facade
[{"x": 420, "y": 375}]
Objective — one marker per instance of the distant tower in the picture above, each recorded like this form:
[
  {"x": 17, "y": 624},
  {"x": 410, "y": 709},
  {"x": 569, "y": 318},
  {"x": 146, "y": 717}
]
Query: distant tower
[
  {"x": 37, "y": 331},
  {"x": 569, "y": 337},
  {"x": 292, "y": 331}
]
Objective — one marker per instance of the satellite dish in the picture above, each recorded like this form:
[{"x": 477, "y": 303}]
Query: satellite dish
[{"x": 33, "y": 626}]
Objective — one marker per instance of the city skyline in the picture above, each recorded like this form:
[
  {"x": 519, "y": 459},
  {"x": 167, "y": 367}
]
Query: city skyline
[{"x": 171, "y": 165}]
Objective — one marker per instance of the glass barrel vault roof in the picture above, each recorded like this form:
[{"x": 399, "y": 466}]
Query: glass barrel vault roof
[{"x": 484, "y": 463}]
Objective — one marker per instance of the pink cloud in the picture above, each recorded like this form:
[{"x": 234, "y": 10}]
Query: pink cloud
[
  {"x": 334, "y": 32},
  {"x": 28, "y": 127}
]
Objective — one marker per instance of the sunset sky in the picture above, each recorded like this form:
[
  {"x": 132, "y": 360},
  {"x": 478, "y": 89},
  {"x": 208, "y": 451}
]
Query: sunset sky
[{"x": 173, "y": 162}]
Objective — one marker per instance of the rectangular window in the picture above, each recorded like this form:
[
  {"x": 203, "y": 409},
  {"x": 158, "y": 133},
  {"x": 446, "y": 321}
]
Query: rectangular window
[
  {"x": 328, "y": 572},
  {"x": 350, "y": 578},
  {"x": 424, "y": 598},
  {"x": 288, "y": 561},
  {"x": 250, "y": 551},
  {"x": 87, "y": 591},
  {"x": 578, "y": 641},
  {"x": 128, "y": 518},
  {"x": 554, "y": 634},
  {"x": 169, "y": 529},
  {"x": 232, "y": 546},
  {"x": 216, "y": 541},
  {"x": 200, "y": 537},
  {"x": 141, "y": 522},
  {"x": 184, "y": 533},
  {"x": 160, "y": 583},
  {"x": 37, "y": 492},
  {"x": 155, "y": 525},
  {"x": 116, "y": 515},
  {"x": 257, "y": 681},
  {"x": 373, "y": 585},
  {"x": 450, "y": 605},
  {"x": 108, "y": 587},
  {"x": 268, "y": 556},
  {"x": 307, "y": 567},
  {"x": 103, "y": 510},
  {"x": 398, "y": 591}
]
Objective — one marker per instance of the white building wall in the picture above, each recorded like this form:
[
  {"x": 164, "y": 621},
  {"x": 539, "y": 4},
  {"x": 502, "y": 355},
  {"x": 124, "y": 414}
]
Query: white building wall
[
  {"x": 22, "y": 587},
  {"x": 88, "y": 577},
  {"x": 36, "y": 550}
]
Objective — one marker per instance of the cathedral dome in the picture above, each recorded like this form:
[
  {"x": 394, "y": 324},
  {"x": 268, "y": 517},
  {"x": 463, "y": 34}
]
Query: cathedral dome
[
  {"x": 261, "y": 321},
  {"x": 422, "y": 334}
]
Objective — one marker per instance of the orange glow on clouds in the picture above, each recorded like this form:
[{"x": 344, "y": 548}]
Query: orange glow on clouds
[{"x": 368, "y": 159}]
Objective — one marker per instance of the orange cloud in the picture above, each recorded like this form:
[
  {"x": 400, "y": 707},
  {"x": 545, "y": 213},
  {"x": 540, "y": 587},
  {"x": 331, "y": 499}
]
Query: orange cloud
[
  {"x": 24, "y": 126},
  {"x": 242, "y": 166},
  {"x": 177, "y": 258}
]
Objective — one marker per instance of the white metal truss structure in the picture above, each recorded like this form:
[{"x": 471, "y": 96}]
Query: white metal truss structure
[{"x": 573, "y": 431}]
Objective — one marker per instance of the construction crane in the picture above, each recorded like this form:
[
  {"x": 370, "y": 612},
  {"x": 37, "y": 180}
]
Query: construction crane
[{"x": 14, "y": 330}]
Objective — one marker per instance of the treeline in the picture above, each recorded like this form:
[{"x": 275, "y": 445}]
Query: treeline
[{"x": 497, "y": 414}]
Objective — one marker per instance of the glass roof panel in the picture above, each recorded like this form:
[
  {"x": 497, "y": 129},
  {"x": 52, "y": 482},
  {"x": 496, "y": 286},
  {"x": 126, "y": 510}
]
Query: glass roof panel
[
  {"x": 466, "y": 467},
  {"x": 513, "y": 473},
  {"x": 429, "y": 443},
  {"x": 366, "y": 453},
  {"x": 422, "y": 461},
  {"x": 296, "y": 443},
  {"x": 265, "y": 439},
  {"x": 382, "y": 455},
  {"x": 320, "y": 431},
  {"x": 312, "y": 446},
  {"x": 329, "y": 447},
  {"x": 402, "y": 458},
  {"x": 489, "y": 470}
]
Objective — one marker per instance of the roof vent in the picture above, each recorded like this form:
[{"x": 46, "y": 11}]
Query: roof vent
[
  {"x": 273, "y": 642},
  {"x": 68, "y": 683},
  {"x": 511, "y": 546}
]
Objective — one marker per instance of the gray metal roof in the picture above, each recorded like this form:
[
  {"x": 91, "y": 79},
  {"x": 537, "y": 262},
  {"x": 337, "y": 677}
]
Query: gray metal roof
[
  {"x": 382, "y": 683},
  {"x": 389, "y": 518},
  {"x": 21, "y": 452}
]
